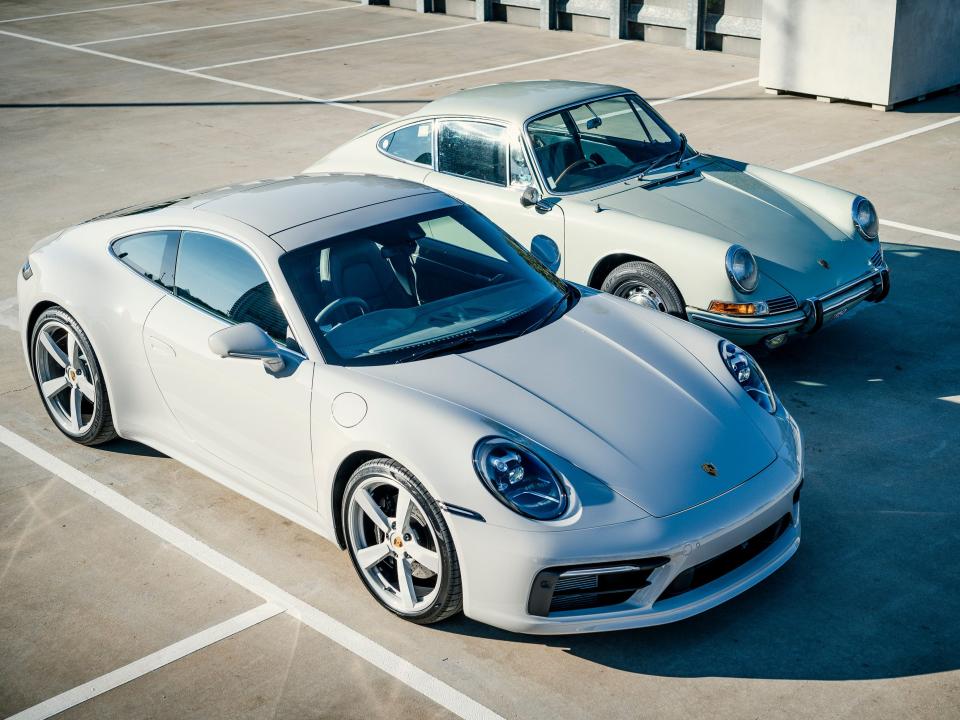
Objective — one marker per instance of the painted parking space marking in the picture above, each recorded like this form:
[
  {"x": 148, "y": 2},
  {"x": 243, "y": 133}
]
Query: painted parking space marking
[
  {"x": 921, "y": 230},
  {"x": 153, "y": 661},
  {"x": 380, "y": 657},
  {"x": 191, "y": 73},
  {"x": 874, "y": 144},
  {"x": 219, "y": 25},
  {"x": 328, "y": 48},
  {"x": 713, "y": 89},
  {"x": 89, "y": 10}
]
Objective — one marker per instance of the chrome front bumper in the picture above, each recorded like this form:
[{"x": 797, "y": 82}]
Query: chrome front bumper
[{"x": 808, "y": 318}]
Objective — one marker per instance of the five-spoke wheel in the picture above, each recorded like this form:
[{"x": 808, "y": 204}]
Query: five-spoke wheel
[
  {"x": 68, "y": 378},
  {"x": 400, "y": 544}
]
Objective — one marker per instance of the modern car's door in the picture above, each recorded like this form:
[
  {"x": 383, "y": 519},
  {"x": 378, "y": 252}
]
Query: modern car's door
[
  {"x": 235, "y": 409},
  {"x": 479, "y": 163}
]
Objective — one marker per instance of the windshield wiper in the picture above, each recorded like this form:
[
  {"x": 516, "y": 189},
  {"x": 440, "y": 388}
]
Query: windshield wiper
[
  {"x": 666, "y": 156},
  {"x": 464, "y": 342}
]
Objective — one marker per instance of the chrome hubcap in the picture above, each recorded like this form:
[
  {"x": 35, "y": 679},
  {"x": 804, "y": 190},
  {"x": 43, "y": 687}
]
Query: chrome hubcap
[
  {"x": 644, "y": 296},
  {"x": 63, "y": 372},
  {"x": 394, "y": 545}
]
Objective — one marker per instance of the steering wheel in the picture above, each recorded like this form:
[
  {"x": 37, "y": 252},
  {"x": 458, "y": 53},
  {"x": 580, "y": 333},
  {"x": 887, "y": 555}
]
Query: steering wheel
[
  {"x": 571, "y": 166},
  {"x": 342, "y": 302}
]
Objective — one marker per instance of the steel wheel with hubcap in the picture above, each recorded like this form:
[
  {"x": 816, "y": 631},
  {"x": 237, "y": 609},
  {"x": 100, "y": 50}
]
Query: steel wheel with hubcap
[
  {"x": 400, "y": 544},
  {"x": 68, "y": 378},
  {"x": 646, "y": 285}
]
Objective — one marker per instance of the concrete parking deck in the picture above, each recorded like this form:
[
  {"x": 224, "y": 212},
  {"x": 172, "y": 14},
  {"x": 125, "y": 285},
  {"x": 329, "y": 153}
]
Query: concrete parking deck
[{"x": 101, "y": 108}]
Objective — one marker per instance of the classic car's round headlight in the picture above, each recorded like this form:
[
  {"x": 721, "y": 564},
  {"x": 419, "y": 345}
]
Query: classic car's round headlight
[
  {"x": 519, "y": 479},
  {"x": 751, "y": 378},
  {"x": 742, "y": 268},
  {"x": 865, "y": 218}
]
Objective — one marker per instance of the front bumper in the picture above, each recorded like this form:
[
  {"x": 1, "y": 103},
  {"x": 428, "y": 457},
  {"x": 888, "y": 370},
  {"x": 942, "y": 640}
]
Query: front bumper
[
  {"x": 501, "y": 567},
  {"x": 812, "y": 314}
]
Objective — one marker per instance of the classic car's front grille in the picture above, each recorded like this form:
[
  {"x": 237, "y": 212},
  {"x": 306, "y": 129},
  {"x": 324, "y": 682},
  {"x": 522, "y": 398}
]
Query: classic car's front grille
[
  {"x": 782, "y": 304},
  {"x": 717, "y": 567},
  {"x": 877, "y": 259},
  {"x": 587, "y": 587}
]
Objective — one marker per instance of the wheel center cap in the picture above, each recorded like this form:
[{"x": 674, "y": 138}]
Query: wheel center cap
[
  {"x": 72, "y": 375},
  {"x": 397, "y": 542}
]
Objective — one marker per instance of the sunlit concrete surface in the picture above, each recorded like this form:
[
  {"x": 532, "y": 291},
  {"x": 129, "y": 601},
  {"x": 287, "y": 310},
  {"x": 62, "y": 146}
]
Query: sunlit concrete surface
[{"x": 862, "y": 623}]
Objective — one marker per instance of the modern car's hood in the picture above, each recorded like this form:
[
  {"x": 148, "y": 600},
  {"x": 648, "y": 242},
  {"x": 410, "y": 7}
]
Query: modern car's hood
[
  {"x": 720, "y": 200},
  {"x": 613, "y": 395}
]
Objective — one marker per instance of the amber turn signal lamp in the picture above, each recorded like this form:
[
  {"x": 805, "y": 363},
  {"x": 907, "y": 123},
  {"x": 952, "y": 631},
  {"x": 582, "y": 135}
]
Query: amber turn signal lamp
[{"x": 729, "y": 308}]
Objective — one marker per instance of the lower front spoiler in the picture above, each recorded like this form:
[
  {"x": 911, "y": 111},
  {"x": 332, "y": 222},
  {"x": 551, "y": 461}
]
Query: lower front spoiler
[{"x": 808, "y": 319}]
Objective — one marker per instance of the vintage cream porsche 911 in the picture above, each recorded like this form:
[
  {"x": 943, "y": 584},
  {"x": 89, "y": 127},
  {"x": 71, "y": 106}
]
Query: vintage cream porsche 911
[{"x": 593, "y": 175}]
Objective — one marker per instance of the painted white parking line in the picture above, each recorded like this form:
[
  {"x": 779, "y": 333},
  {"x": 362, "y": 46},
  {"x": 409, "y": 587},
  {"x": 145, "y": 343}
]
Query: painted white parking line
[
  {"x": 191, "y": 73},
  {"x": 153, "y": 661},
  {"x": 337, "y": 47},
  {"x": 715, "y": 88},
  {"x": 219, "y": 25},
  {"x": 89, "y": 10},
  {"x": 921, "y": 230},
  {"x": 951, "y": 399},
  {"x": 348, "y": 638},
  {"x": 874, "y": 144},
  {"x": 482, "y": 71}
]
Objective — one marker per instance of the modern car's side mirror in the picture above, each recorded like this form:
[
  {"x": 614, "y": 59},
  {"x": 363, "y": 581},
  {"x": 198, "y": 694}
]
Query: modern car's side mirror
[
  {"x": 246, "y": 340},
  {"x": 530, "y": 196},
  {"x": 546, "y": 251}
]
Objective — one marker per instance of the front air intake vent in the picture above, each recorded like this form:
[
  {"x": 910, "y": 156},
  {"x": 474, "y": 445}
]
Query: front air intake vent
[
  {"x": 782, "y": 304},
  {"x": 587, "y": 587}
]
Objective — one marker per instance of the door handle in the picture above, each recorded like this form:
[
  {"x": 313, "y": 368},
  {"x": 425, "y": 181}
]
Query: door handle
[{"x": 160, "y": 347}]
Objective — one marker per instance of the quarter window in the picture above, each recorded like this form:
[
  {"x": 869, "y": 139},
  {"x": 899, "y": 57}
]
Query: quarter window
[
  {"x": 413, "y": 143},
  {"x": 224, "y": 279},
  {"x": 151, "y": 254},
  {"x": 473, "y": 150}
]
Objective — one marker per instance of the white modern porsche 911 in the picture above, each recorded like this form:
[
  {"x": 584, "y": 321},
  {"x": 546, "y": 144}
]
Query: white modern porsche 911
[{"x": 380, "y": 363}]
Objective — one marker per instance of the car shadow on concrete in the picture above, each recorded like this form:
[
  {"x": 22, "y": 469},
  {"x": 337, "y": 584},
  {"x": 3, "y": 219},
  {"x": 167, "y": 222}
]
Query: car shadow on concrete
[{"x": 874, "y": 591}]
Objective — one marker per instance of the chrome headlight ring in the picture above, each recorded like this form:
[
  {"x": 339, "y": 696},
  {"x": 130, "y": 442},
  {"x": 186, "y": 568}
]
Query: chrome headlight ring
[
  {"x": 742, "y": 268},
  {"x": 865, "y": 218}
]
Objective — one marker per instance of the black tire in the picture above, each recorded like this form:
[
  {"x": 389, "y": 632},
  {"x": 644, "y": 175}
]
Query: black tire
[
  {"x": 626, "y": 279},
  {"x": 449, "y": 599},
  {"x": 100, "y": 428}
]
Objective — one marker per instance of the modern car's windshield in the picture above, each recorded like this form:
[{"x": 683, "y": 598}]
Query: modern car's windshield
[
  {"x": 599, "y": 142},
  {"x": 424, "y": 285}
]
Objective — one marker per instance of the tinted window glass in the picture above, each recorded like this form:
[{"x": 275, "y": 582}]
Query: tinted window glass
[
  {"x": 519, "y": 170},
  {"x": 150, "y": 254},
  {"x": 413, "y": 143},
  {"x": 473, "y": 150},
  {"x": 224, "y": 279}
]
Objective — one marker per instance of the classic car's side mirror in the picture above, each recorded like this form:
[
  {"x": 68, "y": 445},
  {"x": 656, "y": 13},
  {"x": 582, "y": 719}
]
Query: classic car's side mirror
[
  {"x": 530, "y": 196},
  {"x": 246, "y": 340},
  {"x": 546, "y": 251}
]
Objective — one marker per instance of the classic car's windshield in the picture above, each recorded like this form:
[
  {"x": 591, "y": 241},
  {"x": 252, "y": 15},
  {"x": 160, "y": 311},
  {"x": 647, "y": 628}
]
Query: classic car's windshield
[
  {"x": 599, "y": 142},
  {"x": 419, "y": 286}
]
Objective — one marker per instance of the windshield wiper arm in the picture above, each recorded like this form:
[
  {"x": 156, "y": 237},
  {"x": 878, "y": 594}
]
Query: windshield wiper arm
[{"x": 656, "y": 163}]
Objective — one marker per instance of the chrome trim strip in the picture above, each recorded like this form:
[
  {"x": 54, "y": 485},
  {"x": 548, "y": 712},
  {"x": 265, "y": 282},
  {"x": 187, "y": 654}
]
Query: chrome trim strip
[
  {"x": 730, "y": 322},
  {"x": 580, "y": 572}
]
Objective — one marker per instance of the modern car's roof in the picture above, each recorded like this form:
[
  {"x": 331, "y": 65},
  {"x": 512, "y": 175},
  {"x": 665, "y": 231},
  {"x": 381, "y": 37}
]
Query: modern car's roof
[
  {"x": 272, "y": 206},
  {"x": 516, "y": 102}
]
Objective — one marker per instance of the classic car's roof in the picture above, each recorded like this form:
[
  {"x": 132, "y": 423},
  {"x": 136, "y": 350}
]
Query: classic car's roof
[
  {"x": 516, "y": 101},
  {"x": 278, "y": 204}
]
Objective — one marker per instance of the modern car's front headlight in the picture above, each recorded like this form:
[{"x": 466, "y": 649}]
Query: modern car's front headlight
[
  {"x": 742, "y": 268},
  {"x": 865, "y": 218},
  {"x": 746, "y": 372},
  {"x": 519, "y": 479}
]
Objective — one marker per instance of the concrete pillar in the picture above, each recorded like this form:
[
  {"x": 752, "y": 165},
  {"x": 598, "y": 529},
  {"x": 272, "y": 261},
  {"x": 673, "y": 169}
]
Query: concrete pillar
[
  {"x": 484, "y": 10},
  {"x": 618, "y": 18},
  {"x": 695, "y": 13},
  {"x": 548, "y": 14},
  {"x": 424, "y": 6}
]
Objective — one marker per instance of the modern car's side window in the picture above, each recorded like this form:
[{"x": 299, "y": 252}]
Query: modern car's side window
[
  {"x": 475, "y": 150},
  {"x": 224, "y": 279},
  {"x": 151, "y": 254},
  {"x": 413, "y": 143}
]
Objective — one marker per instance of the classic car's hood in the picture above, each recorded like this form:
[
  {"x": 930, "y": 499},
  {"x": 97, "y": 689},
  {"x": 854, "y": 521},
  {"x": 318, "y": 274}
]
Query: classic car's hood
[
  {"x": 612, "y": 395},
  {"x": 722, "y": 201}
]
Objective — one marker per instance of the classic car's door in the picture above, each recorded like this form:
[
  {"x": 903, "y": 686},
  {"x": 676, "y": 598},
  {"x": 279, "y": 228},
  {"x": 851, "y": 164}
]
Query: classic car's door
[
  {"x": 478, "y": 163},
  {"x": 255, "y": 420}
]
